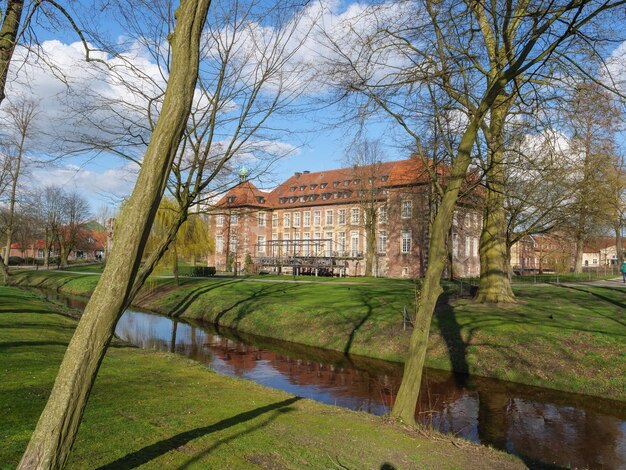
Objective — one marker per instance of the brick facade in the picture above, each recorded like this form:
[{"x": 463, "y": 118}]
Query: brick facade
[{"x": 317, "y": 223}]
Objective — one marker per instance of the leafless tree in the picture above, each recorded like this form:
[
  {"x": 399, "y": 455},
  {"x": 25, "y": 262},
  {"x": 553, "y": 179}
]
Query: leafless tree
[
  {"x": 479, "y": 55},
  {"x": 19, "y": 123}
]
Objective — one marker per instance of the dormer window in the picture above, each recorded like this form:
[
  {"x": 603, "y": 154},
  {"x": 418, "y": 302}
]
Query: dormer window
[
  {"x": 346, "y": 182},
  {"x": 357, "y": 181},
  {"x": 323, "y": 185},
  {"x": 303, "y": 187},
  {"x": 302, "y": 198},
  {"x": 292, "y": 189},
  {"x": 335, "y": 184},
  {"x": 384, "y": 177},
  {"x": 325, "y": 196},
  {"x": 292, "y": 199},
  {"x": 313, "y": 186},
  {"x": 261, "y": 199},
  {"x": 282, "y": 200},
  {"x": 370, "y": 179},
  {"x": 230, "y": 199}
]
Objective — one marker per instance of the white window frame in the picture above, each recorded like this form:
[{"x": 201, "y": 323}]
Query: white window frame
[
  {"x": 261, "y": 218},
  {"x": 317, "y": 218},
  {"x": 329, "y": 217},
  {"x": 306, "y": 219},
  {"x": 341, "y": 217},
  {"x": 355, "y": 216},
  {"x": 407, "y": 209},
  {"x": 406, "y": 240}
]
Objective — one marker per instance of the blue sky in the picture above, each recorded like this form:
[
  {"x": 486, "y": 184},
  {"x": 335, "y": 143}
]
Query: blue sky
[{"x": 316, "y": 131}]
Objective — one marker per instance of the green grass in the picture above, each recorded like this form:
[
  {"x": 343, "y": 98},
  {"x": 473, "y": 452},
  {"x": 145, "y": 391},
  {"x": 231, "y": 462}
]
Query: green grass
[
  {"x": 565, "y": 338},
  {"x": 163, "y": 411},
  {"x": 90, "y": 268}
]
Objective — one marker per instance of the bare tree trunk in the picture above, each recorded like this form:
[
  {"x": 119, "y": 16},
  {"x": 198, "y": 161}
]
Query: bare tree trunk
[
  {"x": 46, "y": 249},
  {"x": 406, "y": 400},
  {"x": 578, "y": 260},
  {"x": 16, "y": 176},
  {"x": 175, "y": 265},
  {"x": 619, "y": 251},
  {"x": 54, "y": 435},
  {"x": 495, "y": 286},
  {"x": 370, "y": 241},
  {"x": 8, "y": 39}
]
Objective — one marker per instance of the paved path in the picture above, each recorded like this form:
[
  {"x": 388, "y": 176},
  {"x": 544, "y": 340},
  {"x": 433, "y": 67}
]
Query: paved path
[{"x": 615, "y": 283}]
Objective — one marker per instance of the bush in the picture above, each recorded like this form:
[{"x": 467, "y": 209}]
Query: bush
[
  {"x": 16, "y": 260},
  {"x": 203, "y": 271}
]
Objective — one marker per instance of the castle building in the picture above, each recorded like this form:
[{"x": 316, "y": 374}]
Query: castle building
[{"x": 367, "y": 220}]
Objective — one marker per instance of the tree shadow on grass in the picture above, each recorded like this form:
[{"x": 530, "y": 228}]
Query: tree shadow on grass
[
  {"x": 248, "y": 303},
  {"x": 601, "y": 297},
  {"x": 193, "y": 295},
  {"x": 450, "y": 330},
  {"x": 358, "y": 324},
  {"x": 148, "y": 453}
]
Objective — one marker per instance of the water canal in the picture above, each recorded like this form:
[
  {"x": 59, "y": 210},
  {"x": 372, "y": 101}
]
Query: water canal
[{"x": 539, "y": 424}]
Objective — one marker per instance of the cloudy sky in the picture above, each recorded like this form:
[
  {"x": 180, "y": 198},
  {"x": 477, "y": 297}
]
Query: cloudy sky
[{"x": 67, "y": 91}]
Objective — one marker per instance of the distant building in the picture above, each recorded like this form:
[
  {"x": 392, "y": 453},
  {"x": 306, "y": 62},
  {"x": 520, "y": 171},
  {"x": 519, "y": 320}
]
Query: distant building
[
  {"x": 317, "y": 223},
  {"x": 601, "y": 251}
]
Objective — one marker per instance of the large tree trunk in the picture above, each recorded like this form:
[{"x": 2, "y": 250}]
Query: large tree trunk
[
  {"x": 406, "y": 400},
  {"x": 8, "y": 39},
  {"x": 578, "y": 256},
  {"x": 54, "y": 435},
  {"x": 175, "y": 264},
  {"x": 494, "y": 286},
  {"x": 619, "y": 247},
  {"x": 370, "y": 241}
]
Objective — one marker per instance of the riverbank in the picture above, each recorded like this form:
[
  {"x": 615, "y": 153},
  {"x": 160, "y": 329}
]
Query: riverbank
[
  {"x": 566, "y": 337},
  {"x": 164, "y": 411}
]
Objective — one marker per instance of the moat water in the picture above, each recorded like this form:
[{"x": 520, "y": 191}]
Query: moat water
[{"x": 540, "y": 425}]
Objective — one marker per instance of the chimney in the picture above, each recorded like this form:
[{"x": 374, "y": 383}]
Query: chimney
[
  {"x": 297, "y": 174},
  {"x": 306, "y": 172}
]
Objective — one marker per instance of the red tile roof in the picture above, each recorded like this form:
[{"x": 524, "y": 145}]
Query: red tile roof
[
  {"x": 330, "y": 187},
  {"x": 245, "y": 194}
]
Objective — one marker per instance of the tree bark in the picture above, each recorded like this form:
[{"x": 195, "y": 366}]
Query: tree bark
[
  {"x": 16, "y": 176},
  {"x": 619, "y": 250},
  {"x": 370, "y": 240},
  {"x": 494, "y": 286},
  {"x": 55, "y": 433},
  {"x": 406, "y": 400},
  {"x": 8, "y": 39}
]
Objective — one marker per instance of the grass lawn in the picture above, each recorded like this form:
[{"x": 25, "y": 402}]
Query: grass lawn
[
  {"x": 566, "y": 338},
  {"x": 163, "y": 411}
]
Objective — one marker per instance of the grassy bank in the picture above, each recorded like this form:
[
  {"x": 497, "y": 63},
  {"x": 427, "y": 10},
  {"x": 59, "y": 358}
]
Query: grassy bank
[
  {"x": 566, "y": 338},
  {"x": 163, "y": 411}
]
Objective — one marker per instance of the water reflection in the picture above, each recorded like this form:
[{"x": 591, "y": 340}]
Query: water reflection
[
  {"x": 538, "y": 424},
  {"x": 548, "y": 426}
]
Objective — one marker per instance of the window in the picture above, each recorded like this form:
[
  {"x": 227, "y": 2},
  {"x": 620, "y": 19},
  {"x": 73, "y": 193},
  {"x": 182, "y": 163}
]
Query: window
[
  {"x": 219, "y": 220},
  {"x": 354, "y": 244},
  {"x": 230, "y": 199},
  {"x": 274, "y": 243},
  {"x": 407, "y": 209},
  {"x": 307, "y": 243},
  {"x": 302, "y": 187},
  {"x": 405, "y": 271},
  {"x": 455, "y": 244},
  {"x": 341, "y": 241},
  {"x": 296, "y": 245},
  {"x": 335, "y": 184},
  {"x": 357, "y": 181},
  {"x": 317, "y": 218},
  {"x": 341, "y": 217},
  {"x": 468, "y": 246},
  {"x": 467, "y": 220},
  {"x": 382, "y": 215},
  {"x": 286, "y": 220},
  {"x": 233, "y": 244},
  {"x": 329, "y": 217},
  {"x": 296, "y": 219},
  {"x": 406, "y": 241},
  {"x": 260, "y": 243},
  {"x": 219, "y": 244},
  {"x": 382, "y": 241},
  {"x": 355, "y": 216},
  {"x": 323, "y": 185},
  {"x": 275, "y": 219},
  {"x": 474, "y": 246},
  {"x": 286, "y": 244},
  {"x": 384, "y": 177},
  {"x": 328, "y": 249},
  {"x": 313, "y": 186},
  {"x": 234, "y": 218},
  {"x": 317, "y": 236},
  {"x": 306, "y": 222},
  {"x": 261, "y": 217}
]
